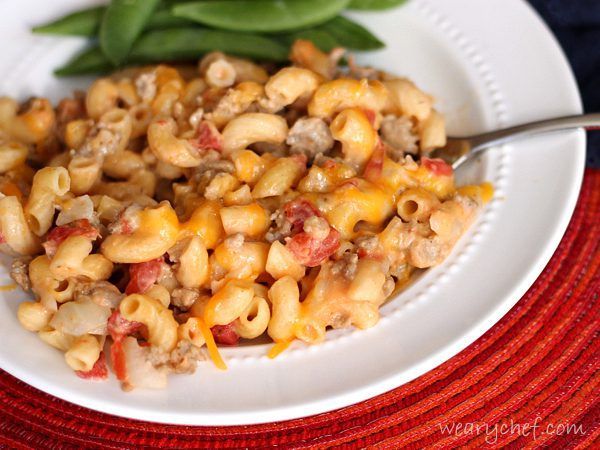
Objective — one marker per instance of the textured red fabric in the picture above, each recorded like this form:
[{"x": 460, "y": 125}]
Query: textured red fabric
[{"x": 539, "y": 366}]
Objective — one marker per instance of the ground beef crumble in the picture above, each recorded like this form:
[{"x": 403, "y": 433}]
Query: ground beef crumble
[
  {"x": 19, "y": 272},
  {"x": 398, "y": 133},
  {"x": 310, "y": 136},
  {"x": 184, "y": 298},
  {"x": 281, "y": 227},
  {"x": 367, "y": 244},
  {"x": 346, "y": 266},
  {"x": 182, "y": 359}
]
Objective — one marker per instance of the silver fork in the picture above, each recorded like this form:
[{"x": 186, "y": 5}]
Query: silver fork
[{"x": 459, "y": 149}]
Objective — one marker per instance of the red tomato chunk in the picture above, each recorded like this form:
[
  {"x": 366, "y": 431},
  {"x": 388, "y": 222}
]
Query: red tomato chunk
[
  {"x": 98, "y": 372},
  {"x": 374, "y": 167},
  {"x": 58, "y": 235},
  {"x": 119, "y": 328},
  {"x": 208, "y": 137},
  {"x": 436, "y": 166},
  {"x": 143, "y": 275},
  {"x": 225, "y": 334},
  {"x": 310, "y": 251},
  {"x": 297, "y": 211}
]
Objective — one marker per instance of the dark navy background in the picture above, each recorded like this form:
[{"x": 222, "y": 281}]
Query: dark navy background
[{"x": 576, "y": 24}]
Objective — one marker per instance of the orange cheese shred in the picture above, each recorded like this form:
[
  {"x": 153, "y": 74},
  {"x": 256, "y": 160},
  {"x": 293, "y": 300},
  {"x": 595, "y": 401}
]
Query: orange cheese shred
[
  {"x": 9, "y": 188},
  {"x": 485, "y": 191},
  {"x": 8, "y": 287},
  {"x": 277, "y": 349},
  {"x": 212, "y": 348}
]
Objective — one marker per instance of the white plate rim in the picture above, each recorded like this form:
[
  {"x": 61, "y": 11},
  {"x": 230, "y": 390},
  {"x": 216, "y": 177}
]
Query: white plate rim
[{"x": 368, "y": 391}]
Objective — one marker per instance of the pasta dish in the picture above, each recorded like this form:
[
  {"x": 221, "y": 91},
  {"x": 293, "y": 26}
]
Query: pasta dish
[{"x": 168, "y": 210}]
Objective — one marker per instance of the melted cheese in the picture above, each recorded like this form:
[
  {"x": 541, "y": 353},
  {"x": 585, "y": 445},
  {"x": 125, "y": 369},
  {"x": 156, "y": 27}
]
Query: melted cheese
[
  {"x": 161, "y": 220},
  {"x": 442, "y": 186},
  {"x": 354, "y": 201},
  {"x": 204, "y": 222},
  {"x": 484, "y": 191},
  {"x": 9, "y": 188}
]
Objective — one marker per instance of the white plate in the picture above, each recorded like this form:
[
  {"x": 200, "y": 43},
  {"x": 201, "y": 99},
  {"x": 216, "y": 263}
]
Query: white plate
[{"x": 490, "y": 64}]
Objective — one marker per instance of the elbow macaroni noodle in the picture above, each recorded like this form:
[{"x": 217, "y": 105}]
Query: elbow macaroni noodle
[{"x": 186, "y": 216}]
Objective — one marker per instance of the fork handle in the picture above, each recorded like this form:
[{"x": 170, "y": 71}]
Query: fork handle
[{"x": 505, "y": 135}]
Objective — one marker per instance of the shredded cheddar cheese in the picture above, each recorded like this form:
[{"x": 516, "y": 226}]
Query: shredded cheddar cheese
[
  {"x": 8, "y": 287},
  {"x": 9, "y": 188},
  {"x": 484, "y": 190},
  {"x": 277, "y": 349},
  {"x": 211, "y": 346}
]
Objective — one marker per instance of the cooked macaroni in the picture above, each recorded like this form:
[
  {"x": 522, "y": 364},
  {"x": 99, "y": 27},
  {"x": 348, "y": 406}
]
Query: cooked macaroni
[{"x": 171, "y": 213}]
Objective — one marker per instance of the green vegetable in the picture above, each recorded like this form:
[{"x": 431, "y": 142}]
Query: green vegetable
[
  {"x": 374, "y": 4},
  {"x": 261, "y": 15},
  {"x": 179, "y": 44},
  {"x": 81, "y": 23},
  {"x": 89, "y": 61},
  {"x": 86, "y": 22},
  {"x": 350, "y": 34},
  {"x": 165, "y": 19},
  {"x": 338, "y": 32},
  {"x": 123, "y": 22},
  {"x": 192, "y": 43}
]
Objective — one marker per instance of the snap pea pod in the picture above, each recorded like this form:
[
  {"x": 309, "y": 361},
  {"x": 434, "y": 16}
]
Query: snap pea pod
[
  {"x": 338, "y": 32},
  {"x": 176, "y": 45},
  {"x": 80, "y": 23},
  {"x": 86, "y": 23},
  {"x": 266, "y": 16},
  {"x": 350, "y": 34},
  {"x": 91, "y": 60},
  {"x": 374, "y": 4},
  {"x": 191, "y": 43},
  {"x": 122, "y": 23},
  {"x": 164, "y": 18}
]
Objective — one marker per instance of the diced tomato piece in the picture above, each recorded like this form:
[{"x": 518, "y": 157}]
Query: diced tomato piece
[
  {"x": 58, "y": 235},
  {"x": 98, "y": 372},
  {"x": 376, "y": 255},
  {"x": 225, "y": 334},
  {"x": 437, "y": 166},
  {"x": 310, "y": 251},
  {"x": 297, "y": 211},
  {"x": 2, "y": 239},
  {"x": 362, "y": 253},
  {"x": 119, "y": 327},
  {"x": 117, "y": 356},
  {"x": 126, "y": 227},
  {"x": 374, "y": 167},
  {"x": 123, "y": 224},
  {"x": 371, "y": 115},
  {"x": 143, "y": 275},
  {"x": 208, "y": 137}
]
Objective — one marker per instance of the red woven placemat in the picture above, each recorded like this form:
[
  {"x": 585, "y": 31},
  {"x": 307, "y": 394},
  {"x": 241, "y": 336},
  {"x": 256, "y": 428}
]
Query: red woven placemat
[{"x": 532, "y": 380}]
